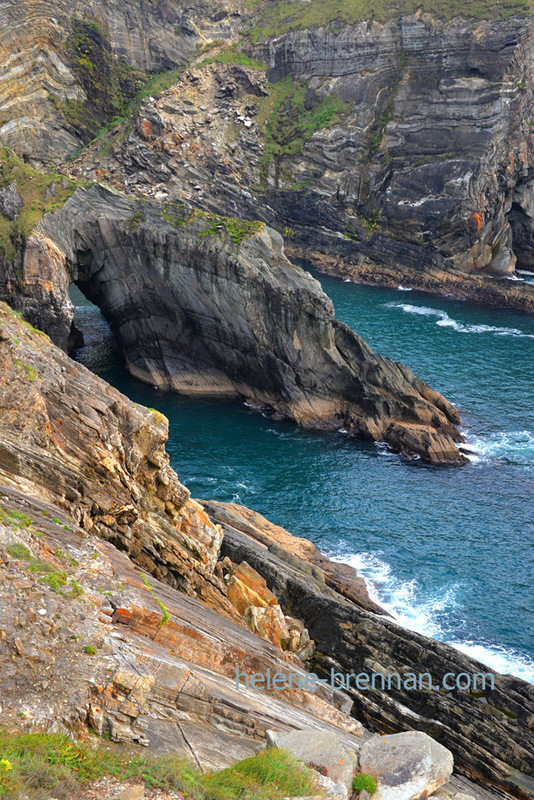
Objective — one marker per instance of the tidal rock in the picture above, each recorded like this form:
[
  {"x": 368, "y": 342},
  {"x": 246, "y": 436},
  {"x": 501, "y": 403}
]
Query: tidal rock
[
  {"x": 406, "y": 766},
  {"x": 208, "y": 305}
]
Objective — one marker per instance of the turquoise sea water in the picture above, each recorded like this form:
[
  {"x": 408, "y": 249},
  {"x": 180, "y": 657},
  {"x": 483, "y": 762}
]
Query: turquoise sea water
[{"x": 449, "y": 551}]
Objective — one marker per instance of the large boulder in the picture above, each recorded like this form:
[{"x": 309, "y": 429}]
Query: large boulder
[
  {"x": 406, "y": 766},
  {"x": 323, "y": 752}
]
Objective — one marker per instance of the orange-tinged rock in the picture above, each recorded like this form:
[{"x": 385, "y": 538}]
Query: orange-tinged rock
[
  {"x": 269, "y": 623},
  {"x": 247, "y": 588}
]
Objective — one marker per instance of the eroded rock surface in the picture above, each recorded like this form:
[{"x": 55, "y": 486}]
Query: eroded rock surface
[
  {"x": 407, "y": 766},
  {"x": 415, "y": 164},
  {"x": 489, "y": 730},
  {"x": 211, "y": 306}
]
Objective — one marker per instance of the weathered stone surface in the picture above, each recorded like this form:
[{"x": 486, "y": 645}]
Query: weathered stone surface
[
  {"x": 269, "y": 623},
  {"x": 171, "y": 687},
  {"x": 406, "y": 766},
  {"x": 83, "y": 443},
  {"x": 207, "y": 315},
  {"x": 322, "y": 752},
  {"x": 489, "y": 732},
  {"x": 341, "y": 577},
  {"x": 421, "y": 179},
  {"x": 39, "y": 78},
  {"x": 247, "y": 588}
]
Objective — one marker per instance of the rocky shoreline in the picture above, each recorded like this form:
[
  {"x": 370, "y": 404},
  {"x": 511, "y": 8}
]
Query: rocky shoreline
[
  {"x": 206, "y": 305},
  {"x": 497, "y": 292},
  {"x": 173, "y": 588}
]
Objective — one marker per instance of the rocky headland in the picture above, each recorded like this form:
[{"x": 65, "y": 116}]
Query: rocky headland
[
  {"x": 189, "y": 146},
  {"x": 208, "y": 305},
  {"x": 144, "y": 602}
]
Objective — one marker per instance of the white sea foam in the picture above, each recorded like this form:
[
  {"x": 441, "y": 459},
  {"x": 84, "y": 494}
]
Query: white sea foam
[
  {"x": 423, "y": 614},
  {"x": 404, "y": 288},
  {"x": 444, "y": 321},
  {"x": 513, "y": 447}
]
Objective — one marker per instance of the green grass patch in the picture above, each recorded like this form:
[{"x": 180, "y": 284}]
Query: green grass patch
[
  {"x": 289, "y": 124},
  {"x": 41, "y": 193},
  {"x": 30, "y": 371},
  {"x": 281, "y": 16},
  {"x": 364, "y": 782},
  {"x": 233, "y": 55},
  {"x": 270, "y": 774},
  {"x": 19, "y": 551},
  {"x": 17, "y": 519},
  {"x": 45, "y": 765},
  {"x": 229, "y": 230}
]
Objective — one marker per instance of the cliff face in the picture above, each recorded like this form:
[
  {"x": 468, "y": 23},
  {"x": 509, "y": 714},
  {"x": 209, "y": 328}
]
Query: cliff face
[
  {"x": 206, "y": 305},
  {"x": 85, "y": 444},
  {"x": 397, "y": 147},
  {"x": 489, "y": 731},
  {"x": 70, "y": 66},
  {"x": 102, "y": 547}
]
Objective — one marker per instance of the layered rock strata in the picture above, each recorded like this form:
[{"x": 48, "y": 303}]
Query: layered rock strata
[
  {"x": 92, "y": 517},
  {"x": 398, "y": 146},
  {"x": 488, "y": 730},
  {"x": 210, "y": 306},
  {"x": 49, "y": 93}
]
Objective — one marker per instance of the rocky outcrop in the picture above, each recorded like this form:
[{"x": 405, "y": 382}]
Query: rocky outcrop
[
  {"x": 51, "y": 91},
  {"x": 208, "y": 305},
  {"x": 487, "y": 728},
  {"x": 407, "y": 766},
  {"x": 397, "y": 146},
  {"x": 93, "y": 518},
  {"x": 89, "y": 640},
  {"x": 84, "y": 443}
]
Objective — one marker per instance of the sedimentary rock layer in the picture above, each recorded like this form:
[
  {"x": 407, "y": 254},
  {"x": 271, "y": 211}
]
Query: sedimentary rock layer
[
  {"x": 211, "y": 306},
  {"x": 404, "y": 145},
  {"x": 489, "y": 730},
  {"x": 43, "y": 94}
]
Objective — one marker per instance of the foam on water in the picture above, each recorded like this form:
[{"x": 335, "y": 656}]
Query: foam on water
[
  {"x": 444, "y": 321},
  {"x": 428, "y": 614},
  {"x": 512, "y": 447},
  {"x": 404, "y": 288}
]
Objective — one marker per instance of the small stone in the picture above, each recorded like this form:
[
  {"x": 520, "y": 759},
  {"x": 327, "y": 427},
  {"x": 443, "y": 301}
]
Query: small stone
[
  {"x": 122, "y": 616},
  {"x": 132, "y": 793},
  {"x": 19, "y": 647}
]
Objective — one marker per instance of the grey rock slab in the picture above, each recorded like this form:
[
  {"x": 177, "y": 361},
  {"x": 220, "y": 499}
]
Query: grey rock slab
[
  {"x": 407, "y": 766},
  {"x": 323, "y": 752}
]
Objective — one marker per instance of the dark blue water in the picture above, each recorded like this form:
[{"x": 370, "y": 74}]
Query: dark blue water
[{"x": 450, "y": 551}]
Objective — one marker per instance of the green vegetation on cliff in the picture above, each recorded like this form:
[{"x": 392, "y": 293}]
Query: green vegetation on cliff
[
  {"x": 230, "y": 230},
  {"x": 233, "y": 55},
  {"x": 43, "y": 764},
  {"x": 108, "y": 82},
  {"x": 290, "y": 115},
  {"x": 33, "y": 194},
  {"x": 281, "y": 16}
]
